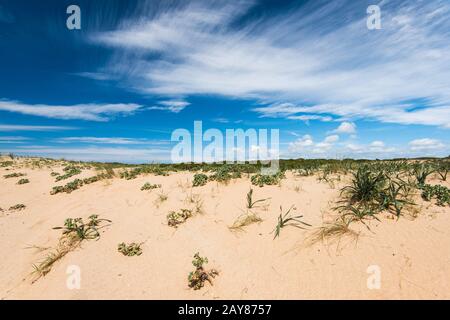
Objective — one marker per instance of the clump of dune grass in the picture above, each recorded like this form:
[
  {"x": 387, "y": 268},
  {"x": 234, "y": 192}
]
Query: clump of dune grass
[
  {"x": 175, "y": 218},
  {"x": 334, "y": 230},
  {"x": 286, "y": 220},
  {"x": 54, "y": 174},
  {"x": 421, "y": 171},
  {"x": 244, "y": 220},
  {"x": 4, "y": 164},
  {"x": 161, "y": 197},
  {"x": 14, "y": 175},
  {"x": 23, "y": 181},
  {"x": 74, "y": 232},
  {"x": 196, "y": 201},
  {"x": 198, "y": 277},
  {"x": 131, "y": 249},
  {"x": 250, "y": 202},
  {"x": 17, "y": 207},
  {"x": 149, "y": 186}
]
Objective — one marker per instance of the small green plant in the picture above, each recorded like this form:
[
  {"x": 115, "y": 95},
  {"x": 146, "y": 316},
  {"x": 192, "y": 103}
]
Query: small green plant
[
  {"x": 17, "y": 207},
  {"x": 83, "y": 230},
  {"x": 74, "y": 232},
  {"x": 175, "y": 218},
  {"x": 132, "y": 249},
  {"x": 4, "y": 164},
  {"x": 200, "y": 179},
  {"x": 285, "y": 220},
  {"x": 23, "y": 181},
  {"x": 54, "y": 174},
  {"x": 199, "y": 276},
  {"x": 148, "y": 186},
  {"x": 250, "y": 202},
  {"x": 14, "y": 175},
  {"x": 359, "y": 213}
]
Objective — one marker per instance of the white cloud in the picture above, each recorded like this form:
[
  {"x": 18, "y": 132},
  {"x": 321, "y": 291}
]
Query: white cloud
[
  {"x": 93, "y": 112},
  {"x": 346, "y": 127},
  {"x": 337, "y": 65},
  {"x": 18, "y": 127},
  {"x": 331, "y": 139},
  {"x": 377, "y": 144},
  {"x": 110, "y": 140},
  {"x": 174, "y": 106},
  {"x": 13, "y": 139},
  {"x": 426, "y": 144}
]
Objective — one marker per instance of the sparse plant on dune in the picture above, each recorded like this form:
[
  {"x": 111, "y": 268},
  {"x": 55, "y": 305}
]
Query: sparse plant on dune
[
  {"x": 394, "y": 197},
  {"x": 285, "y": 220},
  {"x": 54, "y": 174},
  {"x": 14, "y": 175},
  {"x": 359, "y": 213},
  {"x": 4, "y": 164},
  {"x": 244, "y": 220},
  {"x": 161, "y": 197},
  {"x": 200, "y": 179},
  {"x": 74, "y": 232},
  {"x": 23, "y": 181},
  {"x": 131, "y": 249},
  {"x": 17, "y": 207},
  {"x": 333, "y": 231},
  {"x": 250, "y": 203},
  {"x": 175, "y": 218},
  {"x": 421, "y": 171},
  {"x": 442, "y": 170},
  {"x": 199, "y": 276},
  {"x": 149, "y": 186}
]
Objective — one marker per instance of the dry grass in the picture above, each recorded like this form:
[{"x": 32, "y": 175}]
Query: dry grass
[
  {"x": 244, "y": 220},
  {"x": 333, "y": 231}
]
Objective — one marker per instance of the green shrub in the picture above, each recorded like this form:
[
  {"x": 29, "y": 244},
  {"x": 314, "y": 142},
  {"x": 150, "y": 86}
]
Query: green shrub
[
  {"x": 175, "y": 218},
  {"x": 261, "y": 180},
  {"x": 441, "y": 193},
  {"x": 200, "y": 179}
]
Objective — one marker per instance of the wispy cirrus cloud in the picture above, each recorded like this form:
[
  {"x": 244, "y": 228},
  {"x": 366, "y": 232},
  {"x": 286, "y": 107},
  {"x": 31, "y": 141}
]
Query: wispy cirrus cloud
[
  {"x": 91, "y": 111},
  {"x": 20, "y": 127},
  {"x": 174, "y": 106},
  {"x": 307, "y": 56},
  {"x": 111, "y": 140}
]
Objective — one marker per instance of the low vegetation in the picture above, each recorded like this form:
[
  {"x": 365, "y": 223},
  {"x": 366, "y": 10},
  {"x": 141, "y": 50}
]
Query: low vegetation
[
  {"x": 198, "y": 277},
  {"x": 260, "y": 179},
  {"x": 74, "y": 232},
  {"x": 131, "y": 249},
  {"x": 17, "y": 207},
  {"x": 23, "y": 181},
  {"x": 200, "y": 179},
  {"x": 70, "y": 171},
  {"x": 286, "y": 220},
  {"x": 149, "y": 186},
  {"x": 175, "y": 218},
  {"x": 438, "y": 192},
  {"x": 14, "y": 175}
]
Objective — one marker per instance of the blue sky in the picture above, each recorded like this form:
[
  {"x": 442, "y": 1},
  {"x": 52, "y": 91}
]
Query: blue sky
[{"x": 137, "y": 70}]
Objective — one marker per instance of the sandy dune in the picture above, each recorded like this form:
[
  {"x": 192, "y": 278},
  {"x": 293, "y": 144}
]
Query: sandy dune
[{"x": 412, "y": 252}]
